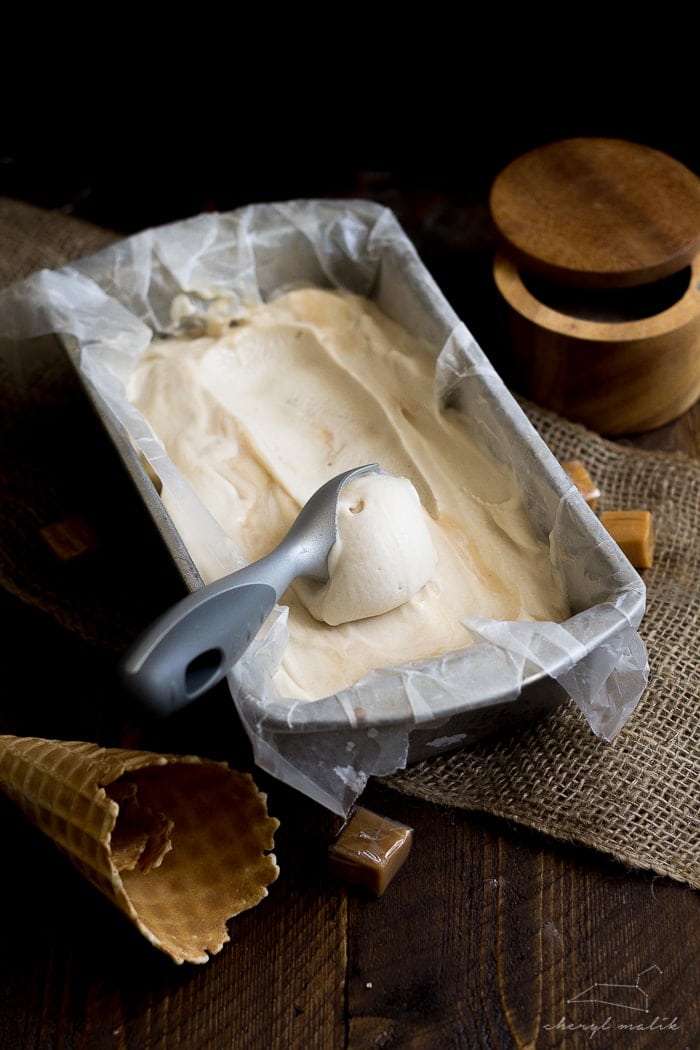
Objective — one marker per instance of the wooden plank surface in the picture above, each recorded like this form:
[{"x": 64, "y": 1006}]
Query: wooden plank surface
[{"x": 481, "y": 941}]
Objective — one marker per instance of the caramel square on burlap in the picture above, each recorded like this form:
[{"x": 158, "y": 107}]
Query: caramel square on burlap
[{"x": 636, "y": 799}]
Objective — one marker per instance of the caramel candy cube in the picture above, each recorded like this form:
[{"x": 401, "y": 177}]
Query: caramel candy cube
[
  {"x": 369, "y": 851},
  {"x": 583, "y": 481},
  {"x": 633, "y": 530},
  {"x": 70, "y": 537}
]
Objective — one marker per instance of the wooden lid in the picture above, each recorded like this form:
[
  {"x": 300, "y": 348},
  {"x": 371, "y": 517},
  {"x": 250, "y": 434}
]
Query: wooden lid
[{"x": 597, "y": 213}]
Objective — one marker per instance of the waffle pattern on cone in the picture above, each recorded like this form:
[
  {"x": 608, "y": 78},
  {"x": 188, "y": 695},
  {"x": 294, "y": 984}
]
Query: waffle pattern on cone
[{"x": 215, "y": 864}]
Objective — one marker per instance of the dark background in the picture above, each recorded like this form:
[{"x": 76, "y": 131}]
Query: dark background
[
  {"x": 127, "y": 183},
  {"x": 420, "y": 116},
  {"x": 132, "y": 126}
]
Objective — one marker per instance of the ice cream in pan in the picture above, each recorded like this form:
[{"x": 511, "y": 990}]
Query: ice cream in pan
[{"x": 298, "y": 393}]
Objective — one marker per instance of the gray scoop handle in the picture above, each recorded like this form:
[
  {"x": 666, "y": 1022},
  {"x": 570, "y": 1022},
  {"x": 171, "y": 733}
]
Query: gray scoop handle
[{"x": 192, "y": 646}]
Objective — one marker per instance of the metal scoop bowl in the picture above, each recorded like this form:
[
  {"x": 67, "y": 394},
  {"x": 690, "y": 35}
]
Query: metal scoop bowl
[{"x": 196, "y": 642}]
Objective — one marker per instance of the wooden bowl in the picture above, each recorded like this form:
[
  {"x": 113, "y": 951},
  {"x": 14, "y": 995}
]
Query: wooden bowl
[
  {"x": 598, "y": 263},
  {"x": 615, "y": 376}
]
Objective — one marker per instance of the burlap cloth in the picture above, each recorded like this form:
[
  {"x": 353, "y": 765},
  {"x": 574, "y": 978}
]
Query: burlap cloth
[{"x": 636, "y": 799}]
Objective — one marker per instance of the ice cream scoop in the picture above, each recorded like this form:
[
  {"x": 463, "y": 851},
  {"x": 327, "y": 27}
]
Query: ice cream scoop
[
  {"x": 196, "y": 642},
  {"x": 384, "y": 552}
]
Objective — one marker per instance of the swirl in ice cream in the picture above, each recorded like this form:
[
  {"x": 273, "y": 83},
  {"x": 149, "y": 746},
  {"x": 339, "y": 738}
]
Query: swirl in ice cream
[
  {"x": 382, "y": 556},
  {"x": 308, "y": 385}
]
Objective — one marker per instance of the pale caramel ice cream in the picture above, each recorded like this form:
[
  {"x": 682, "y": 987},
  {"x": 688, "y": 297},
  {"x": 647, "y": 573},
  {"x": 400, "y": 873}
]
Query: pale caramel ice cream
[
  {"x": 302, "y": 388},
  {"x": 382, "y": 556}
]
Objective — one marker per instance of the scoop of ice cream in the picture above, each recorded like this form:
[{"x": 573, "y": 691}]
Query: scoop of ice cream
[{"x": 383, "y": 555}]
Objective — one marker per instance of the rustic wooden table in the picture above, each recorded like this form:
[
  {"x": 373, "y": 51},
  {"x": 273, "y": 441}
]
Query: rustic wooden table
[{"x": 483, "y": 939}]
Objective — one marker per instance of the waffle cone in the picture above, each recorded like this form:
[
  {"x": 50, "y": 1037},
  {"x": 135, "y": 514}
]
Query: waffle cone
[{"x": 179, "y": 843}]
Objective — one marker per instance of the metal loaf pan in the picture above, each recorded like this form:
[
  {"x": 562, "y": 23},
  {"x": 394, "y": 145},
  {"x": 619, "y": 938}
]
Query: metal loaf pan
[{"x": 512, "y": 674}]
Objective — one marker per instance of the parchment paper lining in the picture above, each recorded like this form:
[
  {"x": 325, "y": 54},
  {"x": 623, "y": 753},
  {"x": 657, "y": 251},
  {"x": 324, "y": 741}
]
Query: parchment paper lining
[{"x": 106, "y": 309}]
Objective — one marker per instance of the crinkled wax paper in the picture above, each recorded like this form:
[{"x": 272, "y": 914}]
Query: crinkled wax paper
[{"x": 200, "y": 272}]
